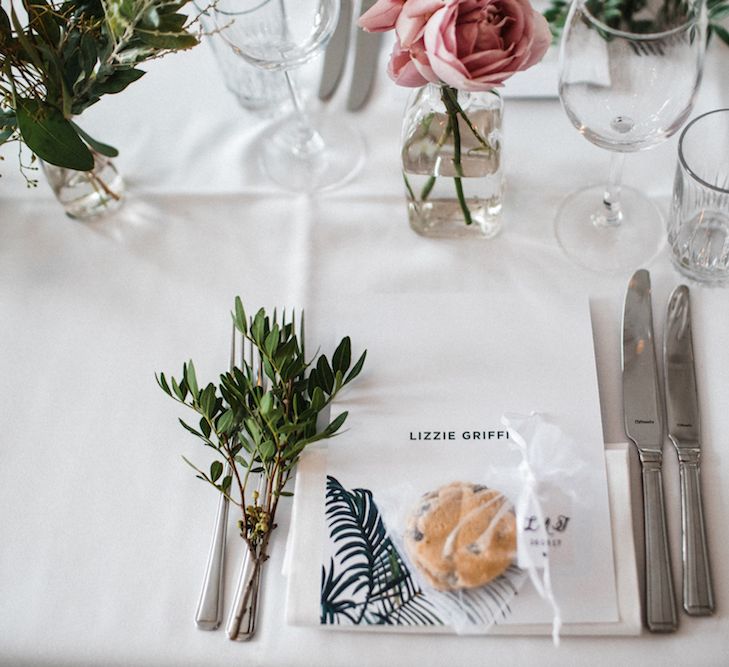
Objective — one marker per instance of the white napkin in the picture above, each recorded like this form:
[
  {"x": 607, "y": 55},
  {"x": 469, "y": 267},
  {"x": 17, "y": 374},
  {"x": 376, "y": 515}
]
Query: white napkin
[{"x": 302, "y": 563}]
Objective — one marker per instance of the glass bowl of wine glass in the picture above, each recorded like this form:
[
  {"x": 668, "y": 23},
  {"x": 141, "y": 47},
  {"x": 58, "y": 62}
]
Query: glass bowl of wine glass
[
  {"x": 302, "y": 151},
  {"x": 628, "y": 81}
]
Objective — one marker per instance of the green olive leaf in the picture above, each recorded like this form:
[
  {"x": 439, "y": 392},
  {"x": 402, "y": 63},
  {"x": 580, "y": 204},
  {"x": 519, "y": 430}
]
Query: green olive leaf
[
  {"x": 216, "y": 470},
  {"x": 342, "y": 355},
  {"x": 104, "y": 149},
  {"x": 117, "y": 81},
  {"x": 50, "y": 136}
]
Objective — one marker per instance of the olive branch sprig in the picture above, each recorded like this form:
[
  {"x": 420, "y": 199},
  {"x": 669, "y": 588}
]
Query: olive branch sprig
[{"x": 256, "y": 427}]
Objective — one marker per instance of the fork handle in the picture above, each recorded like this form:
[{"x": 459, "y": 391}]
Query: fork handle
[
  {"x": 241, "y": 624},
  {"x": 210, "y": 606}
]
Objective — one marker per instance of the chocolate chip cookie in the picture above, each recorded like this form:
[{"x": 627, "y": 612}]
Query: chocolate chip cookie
[{"x": 461, "y": 536}]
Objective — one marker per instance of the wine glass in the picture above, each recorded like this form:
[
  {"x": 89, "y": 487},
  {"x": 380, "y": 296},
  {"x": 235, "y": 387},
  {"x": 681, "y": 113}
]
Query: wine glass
[
  {"x": 303, "y": 151},
  {"x": 257, "y": 91},
  {"x": 628, "y": 81}
]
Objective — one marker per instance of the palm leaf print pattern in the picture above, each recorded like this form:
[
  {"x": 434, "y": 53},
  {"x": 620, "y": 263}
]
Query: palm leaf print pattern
[{"x": 367, "y": 581}]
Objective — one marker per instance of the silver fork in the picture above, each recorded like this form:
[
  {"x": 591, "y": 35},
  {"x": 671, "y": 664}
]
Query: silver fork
[
  {"x": 209, "y": 612},
  {"x": 241, "y": 625}
]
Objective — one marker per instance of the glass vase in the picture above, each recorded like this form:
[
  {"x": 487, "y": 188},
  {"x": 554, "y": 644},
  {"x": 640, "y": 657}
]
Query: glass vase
[
  {"x": 86, "y": 195},
  {"x": 451, "y": 159}
]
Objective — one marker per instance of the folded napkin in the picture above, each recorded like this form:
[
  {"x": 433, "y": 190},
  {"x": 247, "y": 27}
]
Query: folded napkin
[{"x": 305, "y": 547}]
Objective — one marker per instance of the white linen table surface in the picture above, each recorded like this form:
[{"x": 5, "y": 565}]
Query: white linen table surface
[{"x": 105, "y": 530}]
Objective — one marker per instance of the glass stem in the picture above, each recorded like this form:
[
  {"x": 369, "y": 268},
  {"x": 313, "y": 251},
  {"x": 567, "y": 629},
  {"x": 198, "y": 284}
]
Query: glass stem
[
  {"x": 612, "y": 214},
  {"x": 307, "y": 142}
]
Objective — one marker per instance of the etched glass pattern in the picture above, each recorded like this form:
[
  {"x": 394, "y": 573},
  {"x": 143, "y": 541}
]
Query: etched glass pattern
[{"x": 698, "y": 227}]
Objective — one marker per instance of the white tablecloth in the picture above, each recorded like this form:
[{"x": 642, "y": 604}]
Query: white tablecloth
[{"x": 104, "y": 529}]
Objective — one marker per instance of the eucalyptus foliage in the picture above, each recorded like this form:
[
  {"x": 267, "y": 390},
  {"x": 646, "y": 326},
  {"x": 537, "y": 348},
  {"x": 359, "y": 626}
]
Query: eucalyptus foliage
[
  {"x": 57, "y": 58},
  {"x": 626, "y": 14},
  {"x": 258, "y": 421}
]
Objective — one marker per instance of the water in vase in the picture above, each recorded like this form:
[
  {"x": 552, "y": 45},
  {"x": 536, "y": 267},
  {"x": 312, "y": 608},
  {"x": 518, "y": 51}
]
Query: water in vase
[{"x": 429, "y": 169}]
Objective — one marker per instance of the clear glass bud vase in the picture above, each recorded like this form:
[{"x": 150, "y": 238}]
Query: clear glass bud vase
[
  {"x": 451, "y": 159},
  {"x": 86, "y": 195}
]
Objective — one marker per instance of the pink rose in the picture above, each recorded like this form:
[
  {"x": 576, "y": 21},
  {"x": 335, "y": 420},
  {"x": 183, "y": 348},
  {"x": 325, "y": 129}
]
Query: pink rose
[
  {"x": 478, "y": 44},
  {"x": 421, "y": 62},
  {"x": 381, "y": 16},
  {"x": 410, "y": 24},
  {"x": 402, "y": 69},
  {"x": 409, "y": 67}
]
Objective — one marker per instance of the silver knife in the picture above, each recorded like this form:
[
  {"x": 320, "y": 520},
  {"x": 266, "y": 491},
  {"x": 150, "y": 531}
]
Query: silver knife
[
  {"x": 366, "y": 55},
  {"x": 335, "y": 56},
  {"x": 684, "y": 430},
  {"x": 644, "y": 426}
]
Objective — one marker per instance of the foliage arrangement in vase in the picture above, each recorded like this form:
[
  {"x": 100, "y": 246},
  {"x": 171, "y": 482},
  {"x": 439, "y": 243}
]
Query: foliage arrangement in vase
[
  {"x": 613, "y": 12},
  {"x": 61, "y": 60},
  {"x": 456, "y": 52}
]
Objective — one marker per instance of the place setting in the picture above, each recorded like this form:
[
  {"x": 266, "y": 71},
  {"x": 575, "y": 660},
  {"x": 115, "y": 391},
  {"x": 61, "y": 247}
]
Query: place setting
[
  {"x": 494, "y": 509},
  {"x": 466, "y": 404},
  {"x": 505, "y": 470}
]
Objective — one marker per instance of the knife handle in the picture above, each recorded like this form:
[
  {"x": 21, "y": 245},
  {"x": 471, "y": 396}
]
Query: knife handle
[
  {"x": 698, "y": 594},
  {"x": 660, "y": 599}
]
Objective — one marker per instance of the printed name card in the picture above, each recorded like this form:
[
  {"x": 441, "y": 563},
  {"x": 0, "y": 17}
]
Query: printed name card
[{"x": 441, "y": 372}]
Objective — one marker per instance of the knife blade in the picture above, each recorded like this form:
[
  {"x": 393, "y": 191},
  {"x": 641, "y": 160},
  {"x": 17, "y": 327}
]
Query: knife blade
[
  {"x": 642, "y": 408},
  {"x": 684, "y": 431},
  {"x": 335, "y": 56},
  {"x": 366, "y": 55}
]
